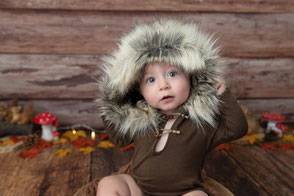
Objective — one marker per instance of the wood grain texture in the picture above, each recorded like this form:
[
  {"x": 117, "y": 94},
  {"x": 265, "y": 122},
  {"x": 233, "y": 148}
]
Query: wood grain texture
[
  {"x": 49, "y": 76},
  {"x": 261, "y": 164},
  {"x": 89, "y": 32},
  {"x": 163, "y": 5},
  {"x": 74, "y": 77},
  {"x": 261, "y": 78},
  {"x": 221, "y": 167},
  {"x": 46, "y": 174},
  {"x": 283, "y": 106},
  {"x": 70, "y": 112}
]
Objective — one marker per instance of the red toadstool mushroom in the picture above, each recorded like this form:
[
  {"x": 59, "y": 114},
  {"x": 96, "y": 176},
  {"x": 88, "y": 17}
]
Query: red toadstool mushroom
[
  {"x": 47, "y": 120},
  {"x": 273, "y": 124}
]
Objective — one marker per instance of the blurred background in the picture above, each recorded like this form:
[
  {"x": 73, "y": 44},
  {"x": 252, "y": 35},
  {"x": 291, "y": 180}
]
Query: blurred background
[{"x": 50, "y": 50}]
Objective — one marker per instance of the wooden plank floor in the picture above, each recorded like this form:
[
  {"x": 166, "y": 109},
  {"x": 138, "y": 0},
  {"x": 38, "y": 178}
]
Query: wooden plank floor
[{"x": 245, "y": 170}]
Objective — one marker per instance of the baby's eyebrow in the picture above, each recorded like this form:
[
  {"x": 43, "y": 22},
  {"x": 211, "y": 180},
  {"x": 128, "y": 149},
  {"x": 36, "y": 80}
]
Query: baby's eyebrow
[{"x": 147, "y": 74}]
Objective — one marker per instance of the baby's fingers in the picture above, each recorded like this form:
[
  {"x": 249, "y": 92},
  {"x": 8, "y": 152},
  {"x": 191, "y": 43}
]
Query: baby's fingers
[{"x": 220, "y": 88}]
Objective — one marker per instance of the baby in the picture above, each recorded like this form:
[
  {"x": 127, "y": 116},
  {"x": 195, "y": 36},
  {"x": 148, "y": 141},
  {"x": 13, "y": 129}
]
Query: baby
[{"x": 163, "y": 90}]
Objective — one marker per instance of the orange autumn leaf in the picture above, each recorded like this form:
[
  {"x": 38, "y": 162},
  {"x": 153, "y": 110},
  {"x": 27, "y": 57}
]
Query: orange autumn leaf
[
  {"x": 17, "y": 139},
  {"x": 80, "y": 142},
  {"x": 91, "y": 142},
  {"x": 44, "y": 144},
  {"x": 269, "y": 147},
  {"x": 105, "y": 144},
  {"x": 223, "y": 147},
  {"x": 87, "y": 150},
  {"x": 102, "y": 136},
  {"x": 285, "y": 146},
  {"x": 30, "y": 153},
  {"x": 127, "y": 147}
]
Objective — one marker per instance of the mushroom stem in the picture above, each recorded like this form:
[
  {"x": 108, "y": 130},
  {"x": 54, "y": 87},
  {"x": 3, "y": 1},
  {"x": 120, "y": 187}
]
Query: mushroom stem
[
  {"x": 271, "y": 126},
  {"x": 47, "y": 132}
]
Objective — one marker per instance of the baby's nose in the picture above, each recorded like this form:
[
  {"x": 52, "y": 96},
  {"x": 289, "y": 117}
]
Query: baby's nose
[{"x": 164, "y": 84}]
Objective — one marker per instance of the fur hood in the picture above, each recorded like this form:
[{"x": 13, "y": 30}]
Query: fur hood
[{"x": 172, "y": 41}]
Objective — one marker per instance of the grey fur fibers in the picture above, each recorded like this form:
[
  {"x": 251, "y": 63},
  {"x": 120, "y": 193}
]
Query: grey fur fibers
[{"x": 178, "y": 43}]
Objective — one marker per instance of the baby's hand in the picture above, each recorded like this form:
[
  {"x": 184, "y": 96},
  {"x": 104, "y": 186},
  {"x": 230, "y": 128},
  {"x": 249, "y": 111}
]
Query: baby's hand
[{"x": 220, "y": 87}]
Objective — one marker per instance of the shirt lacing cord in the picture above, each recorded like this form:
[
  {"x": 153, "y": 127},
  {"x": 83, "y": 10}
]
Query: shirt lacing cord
[
  {"x": 164, "y": 131},
  {"x": 167, "y": 117},
  {"x": 171, "y": 116}
]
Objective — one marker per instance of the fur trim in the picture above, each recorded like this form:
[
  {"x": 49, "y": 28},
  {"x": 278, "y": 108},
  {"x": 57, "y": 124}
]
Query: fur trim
[{"x": 180, "y": 44}]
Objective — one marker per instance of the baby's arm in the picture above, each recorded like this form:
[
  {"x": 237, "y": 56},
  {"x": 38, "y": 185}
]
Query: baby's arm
[
  {"x": 114, "y": 135},
  {"x": 232, "y": 121}
]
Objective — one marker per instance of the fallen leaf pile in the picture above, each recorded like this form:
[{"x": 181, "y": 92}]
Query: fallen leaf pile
[
  {"x": 274, "y": 147},
  {"x": 32, "y": 152},
  {"x": 11, "y": 141},
  {"x": 82, "y": 142},
  {"x": 74, "y": 135},
  {"x": 77, "y": 138}
]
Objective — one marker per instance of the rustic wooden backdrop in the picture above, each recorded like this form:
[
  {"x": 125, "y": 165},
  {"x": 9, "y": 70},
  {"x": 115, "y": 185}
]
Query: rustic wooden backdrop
[{"x": 50, "y": 50}]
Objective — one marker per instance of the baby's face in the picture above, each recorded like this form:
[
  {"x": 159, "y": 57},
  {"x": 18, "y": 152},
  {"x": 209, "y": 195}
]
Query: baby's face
[{"x": 164, "y": 87}]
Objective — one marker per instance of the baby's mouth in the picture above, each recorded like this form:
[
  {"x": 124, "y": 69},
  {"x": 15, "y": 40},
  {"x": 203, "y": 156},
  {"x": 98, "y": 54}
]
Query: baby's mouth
[{"x": 166, "y": 98}]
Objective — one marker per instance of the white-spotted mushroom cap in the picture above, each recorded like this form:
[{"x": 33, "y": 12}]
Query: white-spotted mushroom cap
[
  {"x": 273, "y": 116},
  {"x": 45, "y": 118}
]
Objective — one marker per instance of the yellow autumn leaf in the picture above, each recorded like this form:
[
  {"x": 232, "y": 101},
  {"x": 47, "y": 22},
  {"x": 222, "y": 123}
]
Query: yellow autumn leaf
[
  {"x": 60, "y": 140},
  {"x": 63, "y": 153},
  {"x": 7, "y": 143},
  {"x": 81, "y": 133},
  {"x": 105, "y": 144},
  {"x": 87, "y": 150},
  {"x": 252, "y": 138},
  {"x": 70, "y": 135},
  {"x": 288, "y": 137}
]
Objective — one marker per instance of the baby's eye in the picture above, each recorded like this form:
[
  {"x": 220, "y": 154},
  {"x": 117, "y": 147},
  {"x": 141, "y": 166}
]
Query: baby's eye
[
  {"x": 150, "y": 80},
  {"x": 172, "y": 74}
]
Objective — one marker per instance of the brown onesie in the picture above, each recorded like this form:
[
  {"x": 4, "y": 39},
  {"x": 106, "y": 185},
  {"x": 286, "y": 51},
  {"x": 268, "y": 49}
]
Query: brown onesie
[{"x": 177, "y": 168}]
